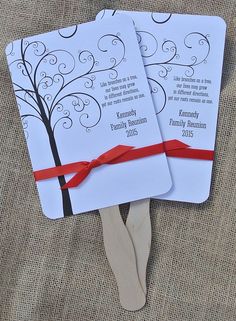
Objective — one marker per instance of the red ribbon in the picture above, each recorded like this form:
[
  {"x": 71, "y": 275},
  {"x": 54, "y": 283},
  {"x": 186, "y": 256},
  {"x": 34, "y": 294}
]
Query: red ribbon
[{"x": 120, "y": 154}]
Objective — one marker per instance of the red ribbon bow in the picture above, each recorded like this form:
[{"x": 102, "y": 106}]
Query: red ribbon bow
[{"x": 120, "y": 154}]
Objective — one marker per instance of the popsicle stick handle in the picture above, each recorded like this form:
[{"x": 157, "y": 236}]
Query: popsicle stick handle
[
  {"x": 121, "y": 256},
  {"x": 139, "y": 227}
]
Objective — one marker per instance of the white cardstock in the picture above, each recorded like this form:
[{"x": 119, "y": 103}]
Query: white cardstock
[
  {"x": 81, "y": 91},
  {"x": 183, "y": 57}
]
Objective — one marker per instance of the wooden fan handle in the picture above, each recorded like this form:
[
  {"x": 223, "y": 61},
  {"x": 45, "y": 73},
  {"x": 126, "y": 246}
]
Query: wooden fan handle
[
  {"x": 121, "y": 256},
  {"x": 139, "y": 227}
]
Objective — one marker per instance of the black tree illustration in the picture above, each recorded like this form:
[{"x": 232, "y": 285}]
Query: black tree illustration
[
  {"x": 163, "y": 56},
  {"x": 44, "y": 82},
  {"x": 160, "y": 60}
]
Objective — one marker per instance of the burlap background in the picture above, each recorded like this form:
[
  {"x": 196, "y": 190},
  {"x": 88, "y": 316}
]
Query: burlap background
[{"x": 57, "y": 270}]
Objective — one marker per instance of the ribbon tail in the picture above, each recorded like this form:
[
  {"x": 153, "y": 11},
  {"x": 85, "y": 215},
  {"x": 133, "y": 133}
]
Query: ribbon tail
[
  {"x": 77, "y": 178},
  {"x": 192, "y": 153},
  {"x": 114, "y": 153},
  {"x": 174, "y": 144}
]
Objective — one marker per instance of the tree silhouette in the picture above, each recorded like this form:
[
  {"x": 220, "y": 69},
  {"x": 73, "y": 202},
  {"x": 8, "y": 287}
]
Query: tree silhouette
[{"x": 44, "y": 82}]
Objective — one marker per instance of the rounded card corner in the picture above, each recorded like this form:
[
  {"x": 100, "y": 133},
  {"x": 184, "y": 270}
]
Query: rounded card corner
[
  {"x": 46, "y": 215},
  {"x": 221, "y": 21},
  {"x": 204, "y": 198}
]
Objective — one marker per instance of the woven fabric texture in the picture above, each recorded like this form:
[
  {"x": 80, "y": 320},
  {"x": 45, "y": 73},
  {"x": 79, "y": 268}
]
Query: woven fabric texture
[{"x": 57, "y": 270}]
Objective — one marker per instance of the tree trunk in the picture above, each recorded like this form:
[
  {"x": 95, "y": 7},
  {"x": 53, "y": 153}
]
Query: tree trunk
[{"x": 66, "y": 202}]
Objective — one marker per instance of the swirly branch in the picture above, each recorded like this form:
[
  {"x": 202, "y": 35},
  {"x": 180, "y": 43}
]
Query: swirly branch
[
  {"x": 170, "y": 46},
  {"x": 115, "y": 40},
  {"x": 25, "y": 122},
  {"x": 24, "y": 61},
  {"x": 30, "y": 115},
  {"x": 45, "y": 82},
  {"x": 80, "y": 101},
  {"x": 28, "y": 104},
  {"x": 89, "y": 81},
  {"x": 52, "y": 59},
  {"x": 28, "y": 91},
  {"x": 10, "y": 52},
  {"x": 154, "y": 88},
  {"x": 38, "y": 47},
  {"x": 163, "y": 69},
  {"x": 86, "y": 103},
  {"x": 86, "y": 56},
  {"x": 203, "y": 40},
  {"x": 76, "y": 102},
  {"x": 65, "y": 36},
  {"x": 146, "y": 52},
  {"x": 31, "y": 93},
  {"x": 22, "y": 66},
  {"x": 156, "y": 20},
  {"x": 67, "y": 122},
  {"x": 41, "y": 94}
]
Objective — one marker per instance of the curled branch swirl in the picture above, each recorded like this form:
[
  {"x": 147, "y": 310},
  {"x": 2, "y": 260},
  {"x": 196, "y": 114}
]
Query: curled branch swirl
[
  {"x": 67, "y": 33},
  {"x": 147, "y": 43},
  {"x": 38, "y": 48},
  {"x": 164, "y": 17},
  {"x": 50, "y": 74},
  {"x": 157, "y": 88},
  {"x": 10, "y": 49},
  {"x": 105, "y": 43},
  {"x": 85, "y": 104},
  {"x": 192, "y": 40},
  {"x": 23, "y": 67},
  {"x": 65, "y": 119}
]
